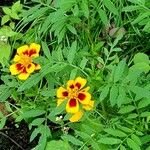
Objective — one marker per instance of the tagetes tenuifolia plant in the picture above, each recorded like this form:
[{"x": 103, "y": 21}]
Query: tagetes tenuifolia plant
[
  {"x": 78, "y": 98},
  {"x": 24, "y": 64}
]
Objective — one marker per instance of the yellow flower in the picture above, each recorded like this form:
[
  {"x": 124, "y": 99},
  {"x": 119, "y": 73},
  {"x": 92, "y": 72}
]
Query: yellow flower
[
  {"x": 24, "y": 65},
  {"x": 78, "y": 98}
]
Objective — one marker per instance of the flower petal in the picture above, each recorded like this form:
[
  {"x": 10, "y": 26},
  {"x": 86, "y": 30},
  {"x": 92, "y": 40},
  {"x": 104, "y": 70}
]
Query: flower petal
[
  {"x": 23, "y": 75},
  {"x": 70, "y": 85},
  {"x": 37, "y": 66},
  {"x": 62, "y": 93},
  {"x": 30, "y": 68},
  {"x": 16, "y": 58},
  {"x": 89, "y": 106},
  {"x": 80, "y": 82},
  {"x": 76, "y": 117},
  {"x": 72, "y": 106},
  {"x": 84, "y": 97},
  {"x": 59, "y": 101},
  {"x": 85, "y": 89},
  {"x": 16, "y": 69},
  {"x": 34, "y": 50},
  {"x": 23, "y": 50}
]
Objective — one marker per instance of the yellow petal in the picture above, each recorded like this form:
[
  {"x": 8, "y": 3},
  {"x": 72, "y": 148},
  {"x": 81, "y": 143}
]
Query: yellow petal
[
  {"x": 89, "y": 106},
  {"x": 30, "y": 68},
  {"x": 13, "y": 69},
  {"x": 34, "y": 49},
  {"x": 62, "y": 92},
  {"x": 59, "y": 101},
  {"x": 37, "y": 67},
  {"x": 76, "y": 117},
  {"x": 16, "y": 58},
  {"x": 70, "y": 85},
  {"x": 72, "y": 106},
  {"x": 80, "y": 82},
  {"x": 22, "y": 49},
  {"x": 23, "y": 76},
  {"x": 86, "y": 89},
  {"x": 84, "y": 97}
]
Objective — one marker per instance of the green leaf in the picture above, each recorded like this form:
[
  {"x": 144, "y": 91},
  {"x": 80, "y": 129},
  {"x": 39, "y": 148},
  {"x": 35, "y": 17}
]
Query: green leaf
[
  {"x": 119, "y": 71},
  {"x": 14, "y": 15},
  {"x": 72, "y": 29},
  {"x": 72, "y": 139},
  {"x": 126, "y": 109},
  {"x": 7, "y": 31},
  {"x": 122, "y": 96},
  {"x": 61, "y": 34},
  {"x": 85, "y": 9},
  {"x": 145, "y": 139},
  {"x": 136, "y": 139},
  {"x": 16, "y": 7},
  {"x": 2, "y": 122},
  {"x": 5, "y": 19},
  {"x": 46, "y": 50},
  {"x": 125, "y": 129},
  {"x": 8, "y": 106},
  {"x": 37, "y": 121},
  {"x": 66, "y": 5},
  {"x": 42, "y": 143},
  {"x": 113, "y": 95},
  {"x": 6, "y": 10},
  {"x": 144, "y": 103},
  {"x": 35, "y": 133},
  {"x": 83, "y": 63},
  {"x": 72, "y": 52},
  {"x": 132, "y": 116},
  {"x": 141, "y": 57},
  {"x": 73, "y": 73},
  {"x": 46, "y": 23},
  {"x": 103, "y": 17},
  {"x": 141, "y": 66},
  {"x": 57, "y": 110},
  {"x": 33, "y": 113},
  {"x": 140, "y": 92},
  {"x": 122, "y": 147},
  {"x": 104, "y": 92},
  {"x": 58, "y": 145},
  {"x": 109, "y": 141},
  {"x": 131, "y": 8},
  {"x": 147, "y": 27},
  {"x": 145, "y": 114},
  {"x": 115, "y": 132},
  {"x": 111, "y": 7},
  {"x": 5, "y": 94},
  {"x": 5, "y": 51},
  {"x": 133, "y": 145},
  {"x": 141, "y": 17}
]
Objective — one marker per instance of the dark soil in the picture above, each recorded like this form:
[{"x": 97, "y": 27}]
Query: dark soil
[{"x": 13, "y": 138}]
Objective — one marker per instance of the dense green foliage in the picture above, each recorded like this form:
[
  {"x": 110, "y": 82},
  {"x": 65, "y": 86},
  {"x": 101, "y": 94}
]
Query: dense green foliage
[{"x": 105, "y": 41}]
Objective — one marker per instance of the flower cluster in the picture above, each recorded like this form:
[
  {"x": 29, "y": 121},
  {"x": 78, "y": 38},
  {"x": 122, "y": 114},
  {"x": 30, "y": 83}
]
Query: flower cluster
[
  {"x": 78, "y": 98},
  {"x": 24, "y": 64}
]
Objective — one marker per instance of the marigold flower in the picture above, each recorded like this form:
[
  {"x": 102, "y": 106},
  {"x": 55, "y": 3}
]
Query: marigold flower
[
  {"x": 24, "y": 64},
  {"x": 78, "y": 98}
]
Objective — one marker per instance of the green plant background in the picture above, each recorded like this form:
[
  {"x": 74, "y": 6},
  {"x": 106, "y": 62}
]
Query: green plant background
[{"x": 105, "y": 41}]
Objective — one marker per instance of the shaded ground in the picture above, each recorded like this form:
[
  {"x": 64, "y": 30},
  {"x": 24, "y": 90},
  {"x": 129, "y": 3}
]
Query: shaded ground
[{"x": 13, "y": 138}]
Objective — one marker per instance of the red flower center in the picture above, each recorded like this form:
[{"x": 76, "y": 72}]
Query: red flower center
[
  {"x": 81, "y": 96},
  {"x": 72, "y": 86},
  {"x": 72, "y": 102},
  {"x": 65, "y": 93},
  {"x": 78, "y": 85}
]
